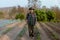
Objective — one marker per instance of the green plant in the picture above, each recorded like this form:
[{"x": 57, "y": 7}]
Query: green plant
[
  {"x": 38, "y": 36},
  {"x": 51, "y": 16},
  {"x": 41, "y": 15},
  {"x": 20, "y": 16}
]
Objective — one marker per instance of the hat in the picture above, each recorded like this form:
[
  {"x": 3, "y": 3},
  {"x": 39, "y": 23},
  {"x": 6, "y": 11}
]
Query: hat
[{"x": 31, "y": 8}]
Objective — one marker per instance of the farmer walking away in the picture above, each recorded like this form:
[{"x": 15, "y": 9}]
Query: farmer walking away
[{"x": 31, "y": 21}]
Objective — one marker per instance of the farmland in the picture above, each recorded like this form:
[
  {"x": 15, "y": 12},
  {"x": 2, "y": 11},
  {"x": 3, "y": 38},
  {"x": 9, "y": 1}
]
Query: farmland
[{"x": 19, "y": 31}]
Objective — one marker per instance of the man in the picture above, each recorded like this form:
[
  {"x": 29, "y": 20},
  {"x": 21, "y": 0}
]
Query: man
[{"x": 31, "y": 21}]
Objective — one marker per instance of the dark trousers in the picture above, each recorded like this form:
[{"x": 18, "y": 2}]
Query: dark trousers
[{"x": 31, "y": 30}]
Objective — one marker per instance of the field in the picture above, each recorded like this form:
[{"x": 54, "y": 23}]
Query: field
[{"x": 18, "y": 30}]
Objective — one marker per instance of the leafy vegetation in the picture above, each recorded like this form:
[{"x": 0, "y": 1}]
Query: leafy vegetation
[
  {"x": 20, "y": 16},
  {"x": 45, "y": 15},
  {"x": 41, "y": 15},
  {"x": 51, "y": 16}
]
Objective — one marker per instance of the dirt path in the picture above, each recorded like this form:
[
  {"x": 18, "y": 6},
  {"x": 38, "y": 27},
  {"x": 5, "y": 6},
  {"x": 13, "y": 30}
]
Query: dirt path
[
  {"x": 13, "y": 33},
  {"x": 26, "y": 35},
  {"x": 44, "y": 36}
]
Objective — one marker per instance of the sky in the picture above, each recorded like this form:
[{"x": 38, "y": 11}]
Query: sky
[{"x": 23, "y": 3}]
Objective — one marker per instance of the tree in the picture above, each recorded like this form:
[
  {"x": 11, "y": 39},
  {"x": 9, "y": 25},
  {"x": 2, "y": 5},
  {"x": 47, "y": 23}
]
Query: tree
[
  {"x": 41, "y": 15},
  {"x": 57, "y": 11},
  {"x": 34, "y": 3},
  {"x": 51, "y": 15}
]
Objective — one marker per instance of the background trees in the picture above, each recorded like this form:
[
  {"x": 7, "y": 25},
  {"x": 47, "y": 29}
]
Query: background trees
[
  {"x": 41, "y": 15},
  {"x": 34, "y": 3},
  {"x": 51, "y": 15},
  {"x": 45, "y": 15},
  {"x": 57, "y": 11}
]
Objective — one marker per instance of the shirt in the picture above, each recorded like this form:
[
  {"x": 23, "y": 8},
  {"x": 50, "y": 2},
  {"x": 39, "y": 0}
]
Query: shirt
[{"x": 31, "y": 18}]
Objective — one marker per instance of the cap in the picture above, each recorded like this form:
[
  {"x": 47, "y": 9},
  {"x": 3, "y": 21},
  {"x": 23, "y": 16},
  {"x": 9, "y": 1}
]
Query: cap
[{"x": 31, "y": 8}]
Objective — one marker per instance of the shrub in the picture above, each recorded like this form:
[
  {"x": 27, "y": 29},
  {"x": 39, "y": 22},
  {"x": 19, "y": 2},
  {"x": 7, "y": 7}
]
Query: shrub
[
  {"x": 41, "y": 15},
  {"x": 20, "y": 16},
  {"x": 45, "y": 15},
  {"x": 50, "y": 15}
]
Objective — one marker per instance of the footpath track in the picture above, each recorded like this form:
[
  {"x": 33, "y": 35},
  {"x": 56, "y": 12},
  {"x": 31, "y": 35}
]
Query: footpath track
[{"x": 26, "y": 36}]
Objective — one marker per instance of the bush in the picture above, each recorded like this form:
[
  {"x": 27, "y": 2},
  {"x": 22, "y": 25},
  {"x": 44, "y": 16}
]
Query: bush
[
  {"x": 45, "y": 15},
  {"x": 50, "y": 15},
  {"x": 20, "y": 16},
  {"x": 41, "y": 15}
]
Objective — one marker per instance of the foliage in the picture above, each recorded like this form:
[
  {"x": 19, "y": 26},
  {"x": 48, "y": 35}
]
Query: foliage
[
  {"x": 57, "y": 11},
  {"x": 50, "y": 15},
  {"x": 43, "y": 15},
  {"x": 20, "y": 16}
]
